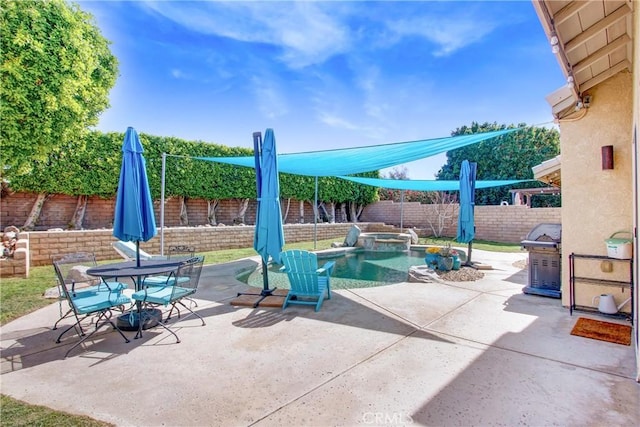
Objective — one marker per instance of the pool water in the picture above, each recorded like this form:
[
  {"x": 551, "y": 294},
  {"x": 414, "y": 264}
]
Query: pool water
[{"x": 360, "y": 269}]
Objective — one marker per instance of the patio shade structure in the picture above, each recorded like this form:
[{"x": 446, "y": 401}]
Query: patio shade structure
[
  {"x": 429, "y": 184},
  {"x": 466, "y": 226},
  {"x": 268, "y": 239},
  {"x": 134, "y": 219},
  {"x": 347, "y": 161}
]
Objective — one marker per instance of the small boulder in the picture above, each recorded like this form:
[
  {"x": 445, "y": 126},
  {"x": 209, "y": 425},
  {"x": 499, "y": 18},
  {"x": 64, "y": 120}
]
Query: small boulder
[
  {"x": 352, "y": 236},
  {"x": 414, "y": 236}
]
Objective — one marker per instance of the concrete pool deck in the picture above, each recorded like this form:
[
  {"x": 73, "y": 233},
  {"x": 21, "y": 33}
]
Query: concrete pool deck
[{"x": 465, "y": 353}]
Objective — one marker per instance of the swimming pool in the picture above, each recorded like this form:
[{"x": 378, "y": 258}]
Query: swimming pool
[{"x": 357, "y": 269}]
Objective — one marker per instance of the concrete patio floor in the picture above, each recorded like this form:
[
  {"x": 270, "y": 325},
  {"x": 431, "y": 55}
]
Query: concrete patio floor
[{"x": 467, "y": 353}]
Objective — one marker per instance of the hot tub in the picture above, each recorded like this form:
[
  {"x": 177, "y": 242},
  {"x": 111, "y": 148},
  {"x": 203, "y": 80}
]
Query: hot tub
[{"x": 384, "y": 242}]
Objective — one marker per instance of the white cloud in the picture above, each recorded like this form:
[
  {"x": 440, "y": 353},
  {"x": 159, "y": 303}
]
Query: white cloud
[
  {"x": 448, "y": 33},
  {"x": 306, "y": 32},
  {"x": 178, "y": 74},
  {"x": 269, "y": 97},
  {"x": 309, "y": 33},
  {"x": 335, "y": 121}
]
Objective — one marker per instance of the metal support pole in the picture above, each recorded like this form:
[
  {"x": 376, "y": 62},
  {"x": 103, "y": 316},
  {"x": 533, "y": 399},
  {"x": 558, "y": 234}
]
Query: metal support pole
[
  {"x": 315, "y": 217},
  {"x": 401, "y": 208},
  {"x": 162, "y": 182}
]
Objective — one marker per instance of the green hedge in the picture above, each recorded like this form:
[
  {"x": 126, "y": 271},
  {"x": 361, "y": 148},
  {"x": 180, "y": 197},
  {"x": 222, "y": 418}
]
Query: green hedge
[{"x": 91, "y": 166}]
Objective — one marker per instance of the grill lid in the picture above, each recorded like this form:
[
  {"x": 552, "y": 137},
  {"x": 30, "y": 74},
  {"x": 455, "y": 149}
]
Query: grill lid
[{"x": 545, "y": 232}]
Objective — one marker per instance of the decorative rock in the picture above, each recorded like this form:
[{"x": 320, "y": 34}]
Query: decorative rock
[
  {"x": 422, "y": 274},
  {"x": 337, "y": 244},
  {"x": 352, "y": 236},
  {"x": 414, "y": 236},
  {"x": 78, "y": 275},
  {"x": 52, "y": 293}
]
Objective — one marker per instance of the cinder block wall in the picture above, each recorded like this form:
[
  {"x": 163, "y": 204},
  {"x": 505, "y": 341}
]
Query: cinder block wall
[
  {"x": 508, "y": 224},
  {"x": 44, "y": 245}
]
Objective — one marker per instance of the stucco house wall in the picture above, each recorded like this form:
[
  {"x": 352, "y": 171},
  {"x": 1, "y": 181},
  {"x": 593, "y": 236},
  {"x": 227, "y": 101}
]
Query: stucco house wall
[{"x": 597, "y": 203}]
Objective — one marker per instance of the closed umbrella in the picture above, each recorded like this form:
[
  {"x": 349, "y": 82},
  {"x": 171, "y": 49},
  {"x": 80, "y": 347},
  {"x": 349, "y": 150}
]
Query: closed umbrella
[
  {"x": 466, "y": 226},
  {"x": 134, "y": 219},
  {"x": 268, "y": 239}
]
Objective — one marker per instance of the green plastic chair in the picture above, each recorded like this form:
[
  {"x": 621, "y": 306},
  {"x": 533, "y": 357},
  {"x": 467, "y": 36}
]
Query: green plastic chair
[{"x": 309, "y": 284}]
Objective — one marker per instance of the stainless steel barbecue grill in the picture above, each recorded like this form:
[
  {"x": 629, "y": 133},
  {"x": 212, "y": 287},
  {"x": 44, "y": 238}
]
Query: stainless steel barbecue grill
[{"x": 544, "y": 246}]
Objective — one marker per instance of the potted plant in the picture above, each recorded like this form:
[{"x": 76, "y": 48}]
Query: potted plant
[
  {"x": 431, "y": 258},
  {"x": 445, "y": 261}
]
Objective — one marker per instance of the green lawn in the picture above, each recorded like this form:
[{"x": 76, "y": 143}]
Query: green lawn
[
  {"x": 20, "y": 296},
  {"x": 16, "y": 413}
]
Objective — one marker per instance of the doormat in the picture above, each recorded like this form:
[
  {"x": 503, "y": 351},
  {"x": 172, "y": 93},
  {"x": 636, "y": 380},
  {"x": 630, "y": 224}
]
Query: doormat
[{"x": 603, "y": 331}]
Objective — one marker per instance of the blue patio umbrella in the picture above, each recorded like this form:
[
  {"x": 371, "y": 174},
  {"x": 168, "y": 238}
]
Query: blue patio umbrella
[
  {"x": 134, "y": 219},
  {"x": 466, "y": 226},
  {"x": 269, "y": 237}
]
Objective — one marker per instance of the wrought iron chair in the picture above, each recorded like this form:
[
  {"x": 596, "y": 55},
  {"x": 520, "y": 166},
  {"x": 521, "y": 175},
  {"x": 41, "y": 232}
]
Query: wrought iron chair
[
  {"x": 169, "y": 280},
  {"x": 185, "y": 283},
  {"x": 87, "y": 296},
  {"x": 71, "y": 270},
  {"x": 164, "y": 280},
  {"x": 181, "y": 250},
  {"x": 309, "y": 284}
]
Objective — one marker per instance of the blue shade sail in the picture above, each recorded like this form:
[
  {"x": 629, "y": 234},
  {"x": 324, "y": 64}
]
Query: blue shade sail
[
  {"x": 134, "y": 219},
  {"x": 349, "y": 161},
  {"x": 428, "y": 185}
]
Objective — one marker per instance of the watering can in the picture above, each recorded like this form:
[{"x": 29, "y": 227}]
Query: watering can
[{"x": 607, "y": 304}]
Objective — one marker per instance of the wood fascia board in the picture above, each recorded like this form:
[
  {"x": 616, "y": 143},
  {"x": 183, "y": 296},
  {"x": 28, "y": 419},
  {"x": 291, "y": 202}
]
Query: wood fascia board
[
  {"x": 544, "y": 16},
  {"x": 620, "y": 66},
  {"x": 568, "y": 11},
  {"x": 603, "y": 51},
  {"x": 596, "y": 28},
  {"x": 546, "y": 20}
]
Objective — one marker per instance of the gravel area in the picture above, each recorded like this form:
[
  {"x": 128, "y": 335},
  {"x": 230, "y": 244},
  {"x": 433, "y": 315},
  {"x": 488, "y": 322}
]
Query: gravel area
[
  {"x": 465, "y": 274},
  {"x": 425, "y": 274}
]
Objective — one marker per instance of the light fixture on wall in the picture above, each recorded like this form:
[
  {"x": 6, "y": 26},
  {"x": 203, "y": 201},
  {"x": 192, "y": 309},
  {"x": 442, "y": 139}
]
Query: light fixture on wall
[
  {"x": 607, "y": 157},
  {"x": 555, "y": 47},
  {"x": 570, "y": 84}
]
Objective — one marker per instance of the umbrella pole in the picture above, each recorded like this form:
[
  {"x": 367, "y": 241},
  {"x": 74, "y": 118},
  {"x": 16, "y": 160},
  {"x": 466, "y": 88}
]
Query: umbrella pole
[
  {"x": 265, "y": 280},
  {"x": 162, "y": 183}
]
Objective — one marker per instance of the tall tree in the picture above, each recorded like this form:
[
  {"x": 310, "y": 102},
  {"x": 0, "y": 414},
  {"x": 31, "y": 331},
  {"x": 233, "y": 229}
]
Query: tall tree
[
  {"x": 56, "y": 70},
  {"x": 509, "y": 156}
]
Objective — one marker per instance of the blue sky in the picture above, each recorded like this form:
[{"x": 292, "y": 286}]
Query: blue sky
[{"x": 325, "y": 74}]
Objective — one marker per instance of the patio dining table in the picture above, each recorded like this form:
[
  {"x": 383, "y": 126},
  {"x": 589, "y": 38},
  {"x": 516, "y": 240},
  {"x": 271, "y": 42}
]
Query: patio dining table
[{"x": 137, "y": 273}]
